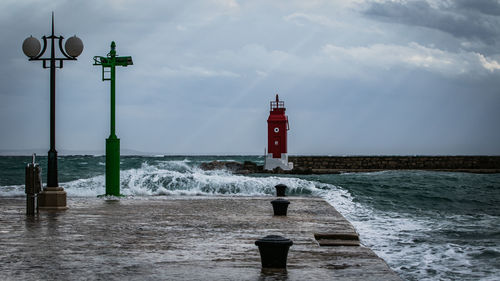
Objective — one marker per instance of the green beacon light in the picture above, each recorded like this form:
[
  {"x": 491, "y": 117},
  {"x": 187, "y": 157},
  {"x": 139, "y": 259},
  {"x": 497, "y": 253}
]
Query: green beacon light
[{"x": 108, "y": 64}]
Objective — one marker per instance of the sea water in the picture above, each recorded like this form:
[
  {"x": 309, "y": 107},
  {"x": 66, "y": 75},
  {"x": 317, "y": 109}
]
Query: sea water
[{"x": 425, "y": 225}]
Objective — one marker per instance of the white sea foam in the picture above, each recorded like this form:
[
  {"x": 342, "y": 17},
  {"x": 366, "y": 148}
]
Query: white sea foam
[
  {"x": 12, "y": 191},
  {"x": 413, "y": 246},
  {"x": 177, "y": 177},
  {"x": 181, "y": 178},
  {"x": 90, "y": 187}
]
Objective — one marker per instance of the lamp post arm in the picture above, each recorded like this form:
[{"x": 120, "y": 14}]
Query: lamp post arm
[
  {"x": 43, "y": 49},
  {"x": 63, "y": 52},
  {"x": 61, "y": 49}
]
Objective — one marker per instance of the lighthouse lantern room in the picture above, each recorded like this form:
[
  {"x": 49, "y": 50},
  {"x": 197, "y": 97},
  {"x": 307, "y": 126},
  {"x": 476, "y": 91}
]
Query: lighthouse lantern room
[{"x": 277, "y": 127}]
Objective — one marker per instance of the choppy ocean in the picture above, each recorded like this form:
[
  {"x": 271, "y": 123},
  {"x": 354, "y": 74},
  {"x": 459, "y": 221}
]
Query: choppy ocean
[{"x": 426, "y": 225}]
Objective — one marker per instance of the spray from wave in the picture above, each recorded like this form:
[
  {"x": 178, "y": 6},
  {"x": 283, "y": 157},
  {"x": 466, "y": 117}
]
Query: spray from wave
[{"x": 184, "y": 178}]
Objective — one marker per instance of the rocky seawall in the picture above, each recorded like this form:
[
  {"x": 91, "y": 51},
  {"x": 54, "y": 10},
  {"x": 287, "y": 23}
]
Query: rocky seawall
[{"x": 340, "y": 164}]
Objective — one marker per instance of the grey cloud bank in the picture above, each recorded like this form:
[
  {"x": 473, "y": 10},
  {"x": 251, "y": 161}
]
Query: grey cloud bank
[
  {"x": 465, "y": 19},
  {"x": 357, "y": 77}
]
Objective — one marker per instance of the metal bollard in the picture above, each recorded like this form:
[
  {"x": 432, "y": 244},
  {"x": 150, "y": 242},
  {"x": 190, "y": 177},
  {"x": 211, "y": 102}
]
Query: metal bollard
[
  {"x": 273, "y": 251},
  {"x": 280, "y": 190},
  {"x": 280, "y": 206},
  {"x": 33, "y": 186}
]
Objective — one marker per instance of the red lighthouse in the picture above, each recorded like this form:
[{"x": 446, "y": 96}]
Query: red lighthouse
[{"x": 277, "y": 127}]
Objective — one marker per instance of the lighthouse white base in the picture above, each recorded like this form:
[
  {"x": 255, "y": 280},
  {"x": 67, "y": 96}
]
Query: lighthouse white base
[{"x": 272, "y": 163}]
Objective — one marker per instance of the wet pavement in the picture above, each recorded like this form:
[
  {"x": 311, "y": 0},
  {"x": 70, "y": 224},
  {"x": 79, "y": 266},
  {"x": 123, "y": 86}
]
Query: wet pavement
[{"x": 176, "y": 238}]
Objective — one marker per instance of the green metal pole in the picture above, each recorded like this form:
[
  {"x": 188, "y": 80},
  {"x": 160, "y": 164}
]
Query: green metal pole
[
  {"x": 113, "y": 142},
  {"x": 112, "y": 53}
]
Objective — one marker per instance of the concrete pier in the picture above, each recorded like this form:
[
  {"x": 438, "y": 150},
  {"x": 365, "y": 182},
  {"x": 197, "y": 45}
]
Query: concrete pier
[{"x": 180, "y": 238}]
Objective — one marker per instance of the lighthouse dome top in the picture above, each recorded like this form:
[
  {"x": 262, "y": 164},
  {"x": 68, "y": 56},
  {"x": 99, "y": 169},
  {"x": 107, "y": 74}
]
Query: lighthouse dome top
[{"x": 277, "y": 104}]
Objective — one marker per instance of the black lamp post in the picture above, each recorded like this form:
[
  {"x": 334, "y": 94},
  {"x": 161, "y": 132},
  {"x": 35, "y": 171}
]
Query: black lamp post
[{"x": 52, "y": 196}]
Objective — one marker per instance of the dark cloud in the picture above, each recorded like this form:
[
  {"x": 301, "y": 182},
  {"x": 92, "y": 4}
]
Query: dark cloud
[
  {"x": 489, "y": 7},
  {"x": 205, "y": 69},
  {"x": 473, "y": 20}
]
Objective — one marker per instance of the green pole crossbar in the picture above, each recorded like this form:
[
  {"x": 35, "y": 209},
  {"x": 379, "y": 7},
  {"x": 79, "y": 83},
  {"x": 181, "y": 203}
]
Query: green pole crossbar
[{"x": 109, "y": 64}]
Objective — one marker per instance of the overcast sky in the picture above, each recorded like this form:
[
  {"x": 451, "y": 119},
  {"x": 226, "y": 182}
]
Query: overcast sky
[{"x": 357, "y": 77}]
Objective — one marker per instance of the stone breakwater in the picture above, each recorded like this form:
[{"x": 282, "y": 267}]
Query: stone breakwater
[
  {"x": 480, "y": 164},
  {"x": 340, "y": 164}
]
